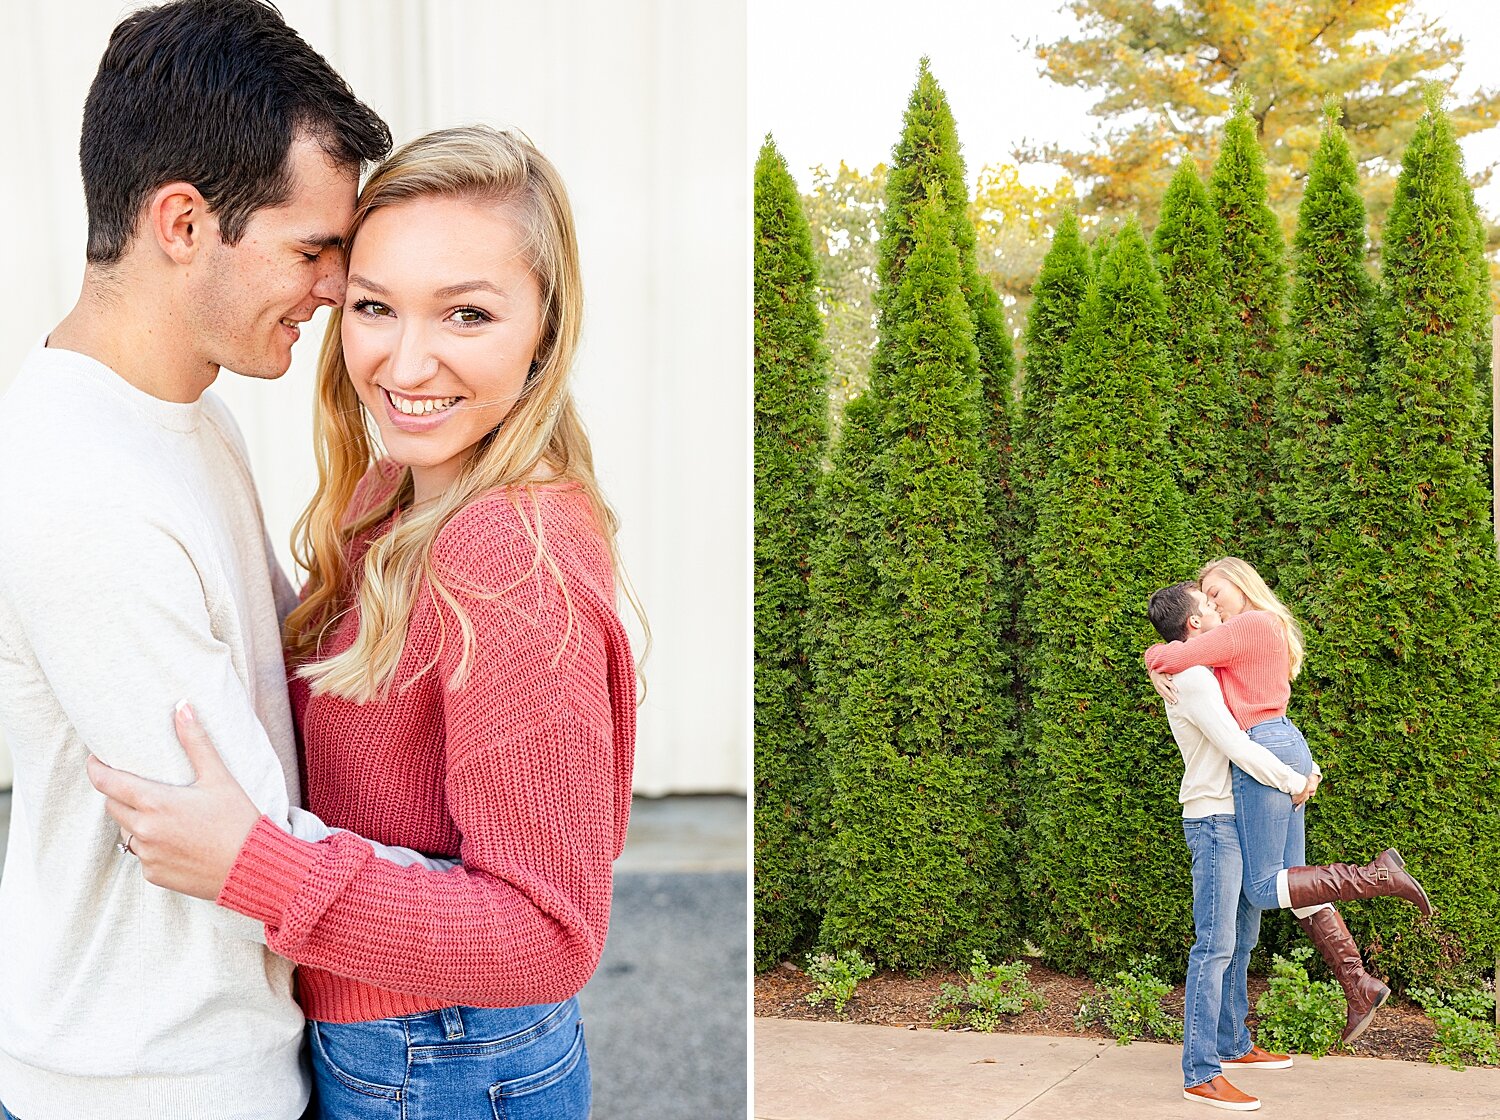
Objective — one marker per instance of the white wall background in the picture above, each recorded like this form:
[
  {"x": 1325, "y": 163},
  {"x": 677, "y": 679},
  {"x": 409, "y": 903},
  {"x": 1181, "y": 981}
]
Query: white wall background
[{"x": 641, "y": 104}]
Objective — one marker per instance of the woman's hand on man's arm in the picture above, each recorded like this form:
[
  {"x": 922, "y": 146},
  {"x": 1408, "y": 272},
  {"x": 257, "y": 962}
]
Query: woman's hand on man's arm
[{"x": 186, "y": 837}]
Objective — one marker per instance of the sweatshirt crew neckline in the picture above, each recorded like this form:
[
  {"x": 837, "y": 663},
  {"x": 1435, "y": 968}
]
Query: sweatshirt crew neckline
[{"x": 171, "y": 415}]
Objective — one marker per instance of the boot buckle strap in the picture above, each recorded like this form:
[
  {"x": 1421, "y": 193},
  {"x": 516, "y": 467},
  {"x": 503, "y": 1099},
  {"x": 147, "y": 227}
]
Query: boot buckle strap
[{"x": 1383, "y": 874}]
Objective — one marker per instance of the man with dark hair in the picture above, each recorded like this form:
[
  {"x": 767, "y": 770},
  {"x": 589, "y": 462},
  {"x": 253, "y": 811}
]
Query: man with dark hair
[
  {"x": 220, "y": 159},
  {"x": 1226, "y": 925}
]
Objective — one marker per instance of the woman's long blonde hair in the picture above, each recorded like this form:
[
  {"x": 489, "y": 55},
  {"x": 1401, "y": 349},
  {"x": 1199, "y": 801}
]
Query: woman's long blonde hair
[
  {"x": 503, "y": 169},
  {"x": 1249, "y": 584}
]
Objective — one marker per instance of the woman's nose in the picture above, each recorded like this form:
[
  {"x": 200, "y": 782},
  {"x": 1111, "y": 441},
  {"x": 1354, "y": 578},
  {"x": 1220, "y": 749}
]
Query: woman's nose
[{"x": 413, "y": 364}]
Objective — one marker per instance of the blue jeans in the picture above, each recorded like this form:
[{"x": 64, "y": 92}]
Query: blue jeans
[
  {"x": 5, "y": 1114},
  {"x": 1227, "y": 927},
  {"x": 1273, "y": 834},
  {"x": 460, "y": 1063}
]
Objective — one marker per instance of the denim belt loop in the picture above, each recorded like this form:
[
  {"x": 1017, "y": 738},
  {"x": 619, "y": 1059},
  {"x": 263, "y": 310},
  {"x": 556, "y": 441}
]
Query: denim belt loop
[{"x": 453, "y": 1023}]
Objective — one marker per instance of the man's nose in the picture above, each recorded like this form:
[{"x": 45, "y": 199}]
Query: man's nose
[{"x": 329, "y": 289}]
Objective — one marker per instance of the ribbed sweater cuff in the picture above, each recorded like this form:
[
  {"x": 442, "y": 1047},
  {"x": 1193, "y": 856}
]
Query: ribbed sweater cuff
[{"x": 267, "y": 874}]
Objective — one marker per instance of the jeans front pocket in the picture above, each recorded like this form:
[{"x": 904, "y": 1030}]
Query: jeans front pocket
[
  {"x": 360, "y": 1068},
  {"x": 561, "y": 1091}
]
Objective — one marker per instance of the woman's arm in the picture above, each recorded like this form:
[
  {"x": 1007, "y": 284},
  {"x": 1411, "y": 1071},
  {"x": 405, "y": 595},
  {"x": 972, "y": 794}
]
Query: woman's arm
[
  {"x": 536, "y": 765},
  {"x": 1220, "y": 646}
]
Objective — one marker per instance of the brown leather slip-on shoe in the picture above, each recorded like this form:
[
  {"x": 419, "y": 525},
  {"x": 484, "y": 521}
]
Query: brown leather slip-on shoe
[
  {"x": 1219, "y": 1093},
  {"x": 1259, "y": 1059}
]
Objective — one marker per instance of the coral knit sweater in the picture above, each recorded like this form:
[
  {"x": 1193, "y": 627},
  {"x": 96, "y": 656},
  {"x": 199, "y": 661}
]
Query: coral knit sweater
[
  {"x": 523, "y": 772},
  {"x": 1248, "y": 654}
]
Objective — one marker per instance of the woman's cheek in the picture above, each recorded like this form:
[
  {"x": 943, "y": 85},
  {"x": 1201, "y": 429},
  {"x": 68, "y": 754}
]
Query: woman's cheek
[{"x": 361, "y": 354}]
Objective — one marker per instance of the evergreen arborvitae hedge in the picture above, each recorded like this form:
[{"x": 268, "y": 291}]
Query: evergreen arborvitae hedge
[
  {"x": 916, "y": 865},
  {"x": 927, "y": 157},
  {"x": 917, "y": 742},
  {"x": 1255, "y": 284},
  {"x": 791, "y": 405},
  {"x": 1404, "y": 716},
  {"x": 1328, "y": 358},
  {"x": 1329, "y": 354},
  {"x": 1189, "y": 250},
  {"x": 1107, "y": 863},
  {"x": 1057, "y": 303}
]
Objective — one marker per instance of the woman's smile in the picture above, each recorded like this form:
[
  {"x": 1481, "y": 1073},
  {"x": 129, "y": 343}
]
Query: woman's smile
[{"x": 417, "y": 414}]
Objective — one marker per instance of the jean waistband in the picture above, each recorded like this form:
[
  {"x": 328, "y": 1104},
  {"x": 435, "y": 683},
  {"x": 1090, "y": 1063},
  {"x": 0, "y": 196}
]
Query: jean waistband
[
  {"x": 451, "y": 1024},
  {"x": 1274, "y": 721}
]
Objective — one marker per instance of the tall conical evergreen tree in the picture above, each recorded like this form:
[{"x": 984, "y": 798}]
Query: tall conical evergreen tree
[
  {"x": 1329, "y": 355},
  {"x": 1255, "y": 284},
  {"x": 862, "y": 601},
  {"x": 791, "y": 405},
  {"x": 1328, "y": 358},
  {"x": 1107, "y": 865},
  {"x": 1057, "y": 305},
  {"x": 1189, "y": 250},
  {"x": 914, "y": 755},
  {"x": 926, "y": 157},
  {"x": 1404, "y": 715}
]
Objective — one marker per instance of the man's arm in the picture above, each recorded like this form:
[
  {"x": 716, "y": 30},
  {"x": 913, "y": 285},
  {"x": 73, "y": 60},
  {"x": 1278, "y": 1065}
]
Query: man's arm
[
  {"x": 115, "y": 612},
  {"x": 1202, "y": 702}
]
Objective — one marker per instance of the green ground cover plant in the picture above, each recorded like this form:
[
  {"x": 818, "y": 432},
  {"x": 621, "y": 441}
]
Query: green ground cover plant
[
  {"x": 836, "y": 975},
  {"x": 1465, "y": 1022},
  {"x": 991, "y": 991},
  {"x": 1297, "y": 1013},
  {"x": 1129, "y": 1007}
]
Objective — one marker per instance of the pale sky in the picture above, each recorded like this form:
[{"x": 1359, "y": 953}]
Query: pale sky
[{"x": 830, "y": 79}]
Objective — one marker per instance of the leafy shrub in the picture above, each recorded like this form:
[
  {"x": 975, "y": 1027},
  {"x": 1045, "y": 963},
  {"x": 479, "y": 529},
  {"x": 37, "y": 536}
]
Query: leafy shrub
[
  {"x": 1131, "y": 1007},
  {"x": 1298, "y": 1014},
  {"x": 836, "y": 976},
  {"x": 1465, "y": 1031},
  {"x": 992, "y": 991}
]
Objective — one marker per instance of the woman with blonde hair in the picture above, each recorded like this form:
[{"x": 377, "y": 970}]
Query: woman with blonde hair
[
  {"x": 460, "y": 678},
  {"x": 1256, "y": 654}
]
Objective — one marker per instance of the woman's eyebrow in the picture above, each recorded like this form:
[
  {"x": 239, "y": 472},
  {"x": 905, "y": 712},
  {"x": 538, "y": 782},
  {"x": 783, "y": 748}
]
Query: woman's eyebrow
[
  {"x": 363, "y": 283},
  {"x": 470, "y": 286}
]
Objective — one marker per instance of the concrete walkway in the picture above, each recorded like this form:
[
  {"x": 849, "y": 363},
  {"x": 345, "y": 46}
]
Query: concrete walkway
[{"x": 849, "y": 1071}]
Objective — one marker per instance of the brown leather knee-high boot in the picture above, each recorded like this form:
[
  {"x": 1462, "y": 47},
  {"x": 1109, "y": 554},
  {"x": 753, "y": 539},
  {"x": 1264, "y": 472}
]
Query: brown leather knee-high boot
[
  {"x": 1385, "y": 876},
  {"x": 1362, "y": 992}
]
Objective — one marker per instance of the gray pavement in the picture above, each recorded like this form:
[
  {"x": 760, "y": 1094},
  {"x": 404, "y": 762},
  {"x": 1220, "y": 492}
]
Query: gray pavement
[
  {"x": 666, "y": 1012},
  {"x": 851, "y": 1071}
]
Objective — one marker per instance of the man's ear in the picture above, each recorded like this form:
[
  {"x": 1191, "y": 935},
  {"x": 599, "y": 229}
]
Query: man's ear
[{"x": 177, "y": 220}]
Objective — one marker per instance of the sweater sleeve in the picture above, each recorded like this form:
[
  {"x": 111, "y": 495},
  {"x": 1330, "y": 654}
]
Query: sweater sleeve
[
  {"x": 531, "y": 786},
  {"x": 1220, "y": 646},
  {"x": 1203, "y": 703}
]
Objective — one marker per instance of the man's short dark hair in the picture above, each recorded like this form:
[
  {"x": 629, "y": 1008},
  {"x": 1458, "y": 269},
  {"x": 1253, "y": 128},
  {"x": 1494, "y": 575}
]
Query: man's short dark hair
[
  {"x": 1169, "y": 609},
  {"x": 210, "y": 92}
]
